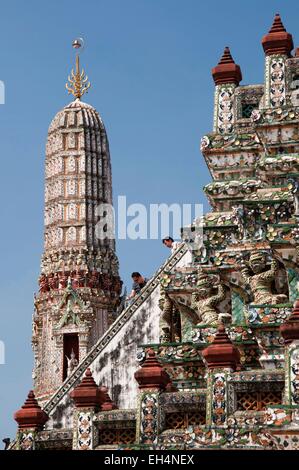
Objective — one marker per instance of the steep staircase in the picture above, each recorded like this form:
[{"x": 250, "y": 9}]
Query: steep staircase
[{"x": 108, "y": 336}]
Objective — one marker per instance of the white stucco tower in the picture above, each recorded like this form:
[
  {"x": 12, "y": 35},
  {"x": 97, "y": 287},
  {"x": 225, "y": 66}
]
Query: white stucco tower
[{"x": 79, "y": 281}]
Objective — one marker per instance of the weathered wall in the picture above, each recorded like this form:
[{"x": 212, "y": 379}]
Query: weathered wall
[{"x": 114, "y": 367}]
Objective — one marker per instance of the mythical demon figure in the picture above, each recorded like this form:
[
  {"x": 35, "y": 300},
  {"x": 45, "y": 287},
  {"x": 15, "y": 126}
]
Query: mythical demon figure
[
  {"x": 260, "y": 277},
  {"x": 170, "y": 319},
  {"x": 208, "y": 295}
]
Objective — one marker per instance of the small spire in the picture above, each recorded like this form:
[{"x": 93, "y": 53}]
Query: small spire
[
  {"x": 86, "y": 394},
  {"x": 221, "y": 336},
  {"x": 78, "y": 81},
  {"x": 221, "y": 353},
  {"x": 107, "y": 403},
  {"x": 277, "y": 25},
  {"x": 227, "y": 71},
  {"x": 278, "y": 40},
  {"x": 31, "y": 415},
  {"x": 88, "y": 380},
  {"x": 151, "y": 374},
  {"x": 226, "y": 57}
]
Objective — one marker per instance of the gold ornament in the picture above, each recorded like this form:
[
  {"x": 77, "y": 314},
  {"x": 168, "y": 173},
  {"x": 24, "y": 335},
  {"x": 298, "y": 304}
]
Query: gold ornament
[{"x": 78, "y": 81}]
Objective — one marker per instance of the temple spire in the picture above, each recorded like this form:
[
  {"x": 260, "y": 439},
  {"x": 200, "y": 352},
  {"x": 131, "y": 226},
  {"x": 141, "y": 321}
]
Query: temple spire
[
  {"x": 79, "y": 265},
  {"x": 278, "y": 40},
  {"x": 226, "y": 57},
  {"x": 277, "y": 26},
  {"x": 227, "y": 71},
  {"x": 221, "y": 353},
  {"x": 78, "y": 81}
]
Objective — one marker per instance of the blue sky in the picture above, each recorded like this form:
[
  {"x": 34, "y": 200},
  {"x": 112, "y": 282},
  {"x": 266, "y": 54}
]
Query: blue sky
[{"x": 149, "y": 63}]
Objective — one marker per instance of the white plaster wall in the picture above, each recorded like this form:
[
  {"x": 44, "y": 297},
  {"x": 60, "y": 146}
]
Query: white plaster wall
[
  {"x": 115, "y": 368},
  {"x": 115, "y": 365}
]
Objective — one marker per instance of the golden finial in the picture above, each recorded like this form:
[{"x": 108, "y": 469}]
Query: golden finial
[{"x": 78, "y": 81}]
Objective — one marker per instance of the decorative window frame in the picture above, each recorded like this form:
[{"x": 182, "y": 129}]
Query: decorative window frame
[
  {"x": 257, "y": 386},
  {"x": 252, "y": 94}
]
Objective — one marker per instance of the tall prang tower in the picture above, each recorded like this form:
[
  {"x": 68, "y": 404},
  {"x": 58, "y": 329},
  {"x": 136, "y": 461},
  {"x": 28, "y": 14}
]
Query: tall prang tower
[{"x": 79, "y": 285}]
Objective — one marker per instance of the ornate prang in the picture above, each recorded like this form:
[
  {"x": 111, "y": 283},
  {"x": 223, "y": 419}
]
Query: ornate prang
[{"x": 79, "y": 285}]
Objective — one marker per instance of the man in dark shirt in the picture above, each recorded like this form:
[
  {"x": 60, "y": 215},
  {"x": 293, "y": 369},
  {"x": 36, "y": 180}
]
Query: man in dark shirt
[{"x": 138, "y": 283}]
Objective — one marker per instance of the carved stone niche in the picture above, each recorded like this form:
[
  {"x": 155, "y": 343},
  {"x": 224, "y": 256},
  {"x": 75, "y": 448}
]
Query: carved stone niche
[{"x": 83, "y": 333}]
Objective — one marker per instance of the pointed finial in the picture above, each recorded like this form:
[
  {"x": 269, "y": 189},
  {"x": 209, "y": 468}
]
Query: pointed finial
[
  {"x": 78, "y": 81},
  {"x": 107, "y": 404},
  {"x": 221, "y": 353},
  {"x": 86, "y": 394},
  {"x": 277, "y": 25},
  {"x": 151, "y": 374},
  {"x": 226, "y": 57},
  {"x": 278, "y": 40},
  {"x": 31, "y": 415},
  {"x": 227, "y": 71}
]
